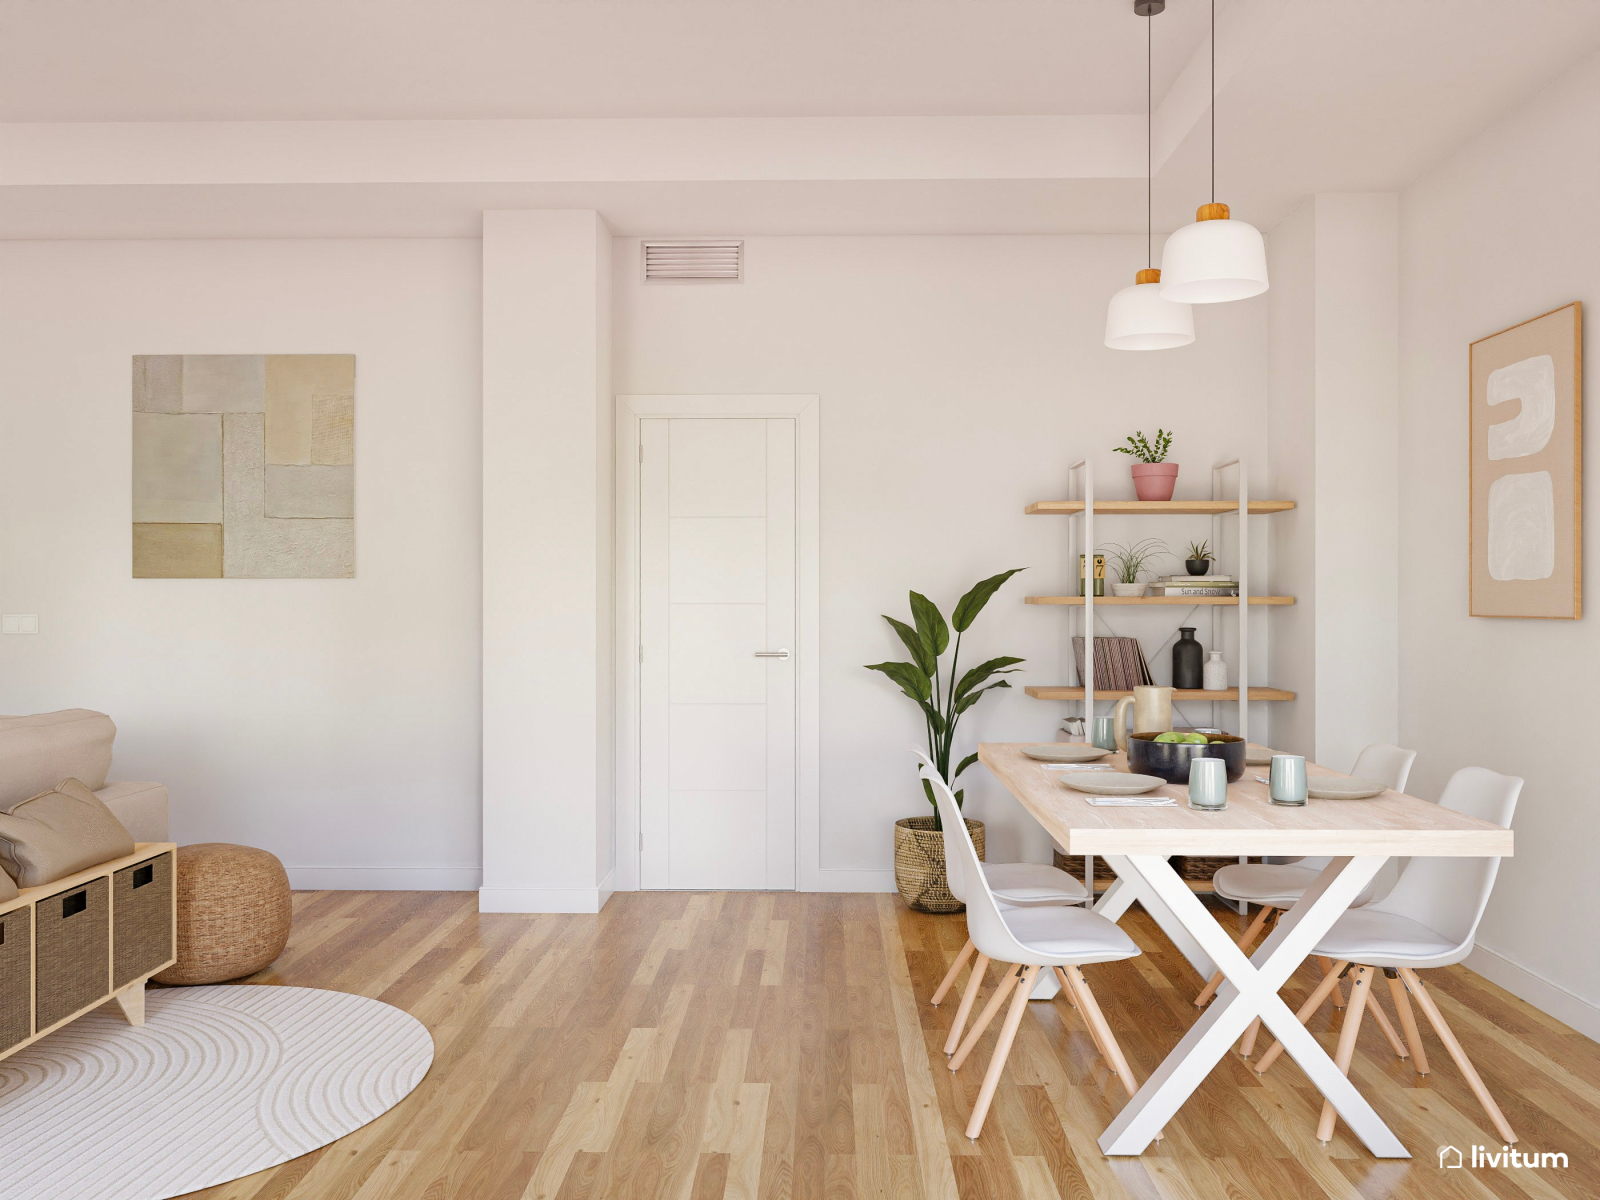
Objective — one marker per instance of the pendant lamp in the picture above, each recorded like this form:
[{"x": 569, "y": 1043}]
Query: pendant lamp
[
  {"x": 1139, "y": 317},
  {"x": 1217, "y": 258}
]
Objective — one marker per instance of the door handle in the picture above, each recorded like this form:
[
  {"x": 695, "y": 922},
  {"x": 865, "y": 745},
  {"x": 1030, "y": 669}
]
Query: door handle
[{"x": 772, "y": 654}]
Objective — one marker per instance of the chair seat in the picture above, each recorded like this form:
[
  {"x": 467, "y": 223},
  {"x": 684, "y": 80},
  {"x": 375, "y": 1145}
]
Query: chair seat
[
  {"x": 1263, "y": 883},
  {"x": 1062, "y": 936},
  {"x": 1383, "y": 939},
  {"x": 1278, "y": 884},
  {"x": 1022, "y": 885}
]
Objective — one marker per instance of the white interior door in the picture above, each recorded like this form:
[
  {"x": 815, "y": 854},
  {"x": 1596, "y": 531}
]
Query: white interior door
[{"x": 718, "y": 664}]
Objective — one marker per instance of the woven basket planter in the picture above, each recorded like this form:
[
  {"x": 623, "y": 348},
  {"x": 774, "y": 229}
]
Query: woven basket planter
[{"x": 919, "y": 864}]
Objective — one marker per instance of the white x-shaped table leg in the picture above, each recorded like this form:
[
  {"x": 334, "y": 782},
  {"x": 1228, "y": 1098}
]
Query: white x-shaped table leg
[
  {"x": 1131, "y": 885},
  {"x": 1250, "y": 990}
]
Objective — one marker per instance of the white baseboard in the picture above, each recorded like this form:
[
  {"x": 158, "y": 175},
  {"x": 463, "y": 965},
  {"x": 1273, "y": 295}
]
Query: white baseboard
[
  {"x": 844, "y": 879},
  {"x": 1547, "y": 997},
  {"x": 385, "y": 879},
  {"x": 546, "y": 900}
]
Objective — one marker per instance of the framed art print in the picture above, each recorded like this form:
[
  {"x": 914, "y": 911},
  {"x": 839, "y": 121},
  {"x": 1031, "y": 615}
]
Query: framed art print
[{"x": 1527, "y": 469}]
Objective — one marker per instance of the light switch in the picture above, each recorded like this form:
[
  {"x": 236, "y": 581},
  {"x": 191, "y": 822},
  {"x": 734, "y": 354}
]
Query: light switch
[{"x": 19, "y": 623}]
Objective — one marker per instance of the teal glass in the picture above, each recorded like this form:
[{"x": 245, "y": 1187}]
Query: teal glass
[
  {"x": 1286, "y": 781},
  {"x": 1105, "y": 733},
  {"x": 1208, "y": 783}
]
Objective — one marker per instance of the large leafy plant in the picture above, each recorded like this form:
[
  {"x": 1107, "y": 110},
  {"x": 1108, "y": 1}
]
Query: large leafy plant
[{"x": 943, "y": 694}]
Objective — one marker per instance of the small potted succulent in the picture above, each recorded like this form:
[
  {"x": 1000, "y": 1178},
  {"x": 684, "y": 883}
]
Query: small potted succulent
[
  {"x": 1153, "y": 476},
  {"x": 1200, "y": 557},
  {"x": 943, "y": 693},
  {"x": 1129, "y": 562}
]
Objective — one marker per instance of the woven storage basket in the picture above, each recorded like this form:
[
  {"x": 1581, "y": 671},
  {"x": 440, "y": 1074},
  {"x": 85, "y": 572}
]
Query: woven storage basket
[
  {"x": 141, "y": 906},
  {"x": 16, "y": 964},
  {"x": 919, "y": 864},
  {"x": 72, "y": 951},
  {"x": 233, "y": 913}
]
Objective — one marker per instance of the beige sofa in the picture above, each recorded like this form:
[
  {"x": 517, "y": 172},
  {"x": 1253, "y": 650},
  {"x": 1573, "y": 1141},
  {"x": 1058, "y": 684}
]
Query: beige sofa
[{"x": 39, "y": 751}]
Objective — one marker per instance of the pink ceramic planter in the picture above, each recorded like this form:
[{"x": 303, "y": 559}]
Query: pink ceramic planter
[{"x": 1154, "y": 481}]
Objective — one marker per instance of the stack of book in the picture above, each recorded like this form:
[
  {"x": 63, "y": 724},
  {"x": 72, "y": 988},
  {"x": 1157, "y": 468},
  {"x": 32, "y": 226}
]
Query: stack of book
[
  {"x": 1119, "y": 663},
  {"x": 1193, "y": 585}
]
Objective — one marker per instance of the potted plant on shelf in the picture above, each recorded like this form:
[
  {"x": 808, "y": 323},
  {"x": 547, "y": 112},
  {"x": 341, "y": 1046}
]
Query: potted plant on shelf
[
  {"x": 943, "y": 694},
  {"x": 1200, "y": 557},
  {"x": 1129, "y": 562},
  {"x": 1153, "y": 476}
]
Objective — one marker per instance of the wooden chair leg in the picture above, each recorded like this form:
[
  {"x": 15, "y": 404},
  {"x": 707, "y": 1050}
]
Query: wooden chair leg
[
  {"x": 1313, "y": 1002},
  {"x": 1448, "y": 1037},
  {"x": 1069, "y": 988},
  {"x": 1101, "y": 1029},
  {"x": 964, "y": 1009},
  {"x": 1347, "y": 1045},
  {"x": 1245, "y": 943},
  {"x": 967, "y": 952},
  {"x": 1247, "y": 1044},
  {"x": 1002, "y": 1051},
  {"x": 1408, "y": 1021},
  {"x": 1338, "y": 992},
  {"x": 1381, "y": 1018},
  {"x": 1008, "y": 980}
]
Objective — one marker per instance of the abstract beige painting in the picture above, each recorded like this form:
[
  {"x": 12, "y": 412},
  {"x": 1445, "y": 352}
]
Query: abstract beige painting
[
  {"x": 1526, "y": 469},
  {"x": 244, "y": 466}
]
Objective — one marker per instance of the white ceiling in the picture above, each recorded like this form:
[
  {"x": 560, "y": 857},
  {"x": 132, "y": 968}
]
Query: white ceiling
[
  {"x": 1314, "y": 95},
  {"x": 203, "y": 60}
]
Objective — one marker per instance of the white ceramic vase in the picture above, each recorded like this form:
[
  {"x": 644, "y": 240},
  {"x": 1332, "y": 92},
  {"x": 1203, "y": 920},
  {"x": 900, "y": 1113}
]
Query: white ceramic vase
[
  {"x": 1214, "y": 678},
  {"x": 1127, "y": 589}
]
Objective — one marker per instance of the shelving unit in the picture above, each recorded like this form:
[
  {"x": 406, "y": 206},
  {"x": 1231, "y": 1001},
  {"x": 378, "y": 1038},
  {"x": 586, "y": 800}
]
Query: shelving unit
[{"x": 1085, "y": 507}]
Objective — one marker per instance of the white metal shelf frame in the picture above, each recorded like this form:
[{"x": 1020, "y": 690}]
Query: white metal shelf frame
[{"x": 1080, "y": 475}]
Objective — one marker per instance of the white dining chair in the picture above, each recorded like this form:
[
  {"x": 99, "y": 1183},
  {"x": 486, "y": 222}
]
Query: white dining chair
[
  {"x": 1428, "y": 919},
  {"x": 1277, "y": 887},
  {"x": 1027, "y": 940},
  {"x": 1015, "y": 885}
]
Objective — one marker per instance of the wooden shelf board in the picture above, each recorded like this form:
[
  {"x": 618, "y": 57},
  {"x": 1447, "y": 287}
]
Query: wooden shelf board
[
  {"x": 1169, "y": 601},
  {"x": 1182, "y": 694},
  {"x": 1192, "y": 507}
]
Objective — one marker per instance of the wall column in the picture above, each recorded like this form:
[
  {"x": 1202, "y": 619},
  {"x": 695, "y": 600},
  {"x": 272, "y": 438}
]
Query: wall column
[
  {"x": 547, "y": 530},
  {"x": 1333, "y": 442}
]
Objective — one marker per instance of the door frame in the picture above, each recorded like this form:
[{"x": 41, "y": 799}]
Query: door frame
[{"x": 630, "y": 410}]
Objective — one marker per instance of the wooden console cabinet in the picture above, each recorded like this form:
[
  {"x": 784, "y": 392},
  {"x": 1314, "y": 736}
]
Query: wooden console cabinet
[{"x": 71, "y": 945}]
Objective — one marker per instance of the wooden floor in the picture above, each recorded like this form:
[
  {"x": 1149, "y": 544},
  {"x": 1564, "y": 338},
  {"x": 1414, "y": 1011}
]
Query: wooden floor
[{"x": 751, "y": 1045}]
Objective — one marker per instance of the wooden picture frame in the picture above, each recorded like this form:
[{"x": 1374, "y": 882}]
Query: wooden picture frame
[{"x": 1525, "y": 469}]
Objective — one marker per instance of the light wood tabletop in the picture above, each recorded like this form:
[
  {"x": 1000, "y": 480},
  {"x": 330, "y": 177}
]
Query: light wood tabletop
[{"x": 1391, "y": 824}]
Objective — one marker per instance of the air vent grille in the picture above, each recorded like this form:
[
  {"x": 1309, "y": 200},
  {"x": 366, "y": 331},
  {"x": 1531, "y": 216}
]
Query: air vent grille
[{"x": 694, "y": 261}]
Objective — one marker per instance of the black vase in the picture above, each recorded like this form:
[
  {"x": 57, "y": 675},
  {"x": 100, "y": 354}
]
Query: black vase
[
  {"x": 1188, "y": 660},
  {"x": 1197, "y": 566}
]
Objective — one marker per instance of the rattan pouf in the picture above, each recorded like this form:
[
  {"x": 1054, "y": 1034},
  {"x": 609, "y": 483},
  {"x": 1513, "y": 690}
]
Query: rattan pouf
[{"x": 233, "y": 913}]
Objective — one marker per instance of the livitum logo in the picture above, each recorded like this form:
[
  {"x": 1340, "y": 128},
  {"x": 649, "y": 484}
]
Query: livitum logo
[{"x": 1505, "y": 1158}]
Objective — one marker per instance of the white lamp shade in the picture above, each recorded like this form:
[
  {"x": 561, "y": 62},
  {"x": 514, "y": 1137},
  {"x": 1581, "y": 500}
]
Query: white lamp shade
[
  {"x": 1210, "y": 262},
  {"x": 1140, "y": 318}
]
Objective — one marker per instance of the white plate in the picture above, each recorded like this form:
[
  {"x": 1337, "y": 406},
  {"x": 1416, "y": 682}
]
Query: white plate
[
  {"x": 1257, "y": 756},
  {"x": 1119, "y": 784},
  {"x": 1341, "y": 787},
  {"x": 1066, "y": 752}
]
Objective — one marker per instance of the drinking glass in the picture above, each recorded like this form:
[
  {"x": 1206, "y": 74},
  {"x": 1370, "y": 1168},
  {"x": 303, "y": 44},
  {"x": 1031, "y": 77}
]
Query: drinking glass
[
  {"x": 1208, "y": 783},
  {"x": 1286, "y": 781},
  {"x": 1105, "y": 733}
]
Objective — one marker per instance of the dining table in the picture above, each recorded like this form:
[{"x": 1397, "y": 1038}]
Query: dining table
[{"x": 1358, "y": 836}]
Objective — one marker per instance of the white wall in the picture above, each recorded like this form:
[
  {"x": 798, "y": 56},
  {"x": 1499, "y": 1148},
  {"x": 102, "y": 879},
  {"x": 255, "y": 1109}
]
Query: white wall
[
  {"x": 333, "y": 722},
  {"x": 1334, "y": 408},
  {"x": 547, "y": 552},
  {"x": 1502, "y": 231},
  {"x": 958, "y": 379}
]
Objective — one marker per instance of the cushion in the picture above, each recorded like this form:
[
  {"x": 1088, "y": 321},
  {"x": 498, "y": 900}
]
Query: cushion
[
  {"x": 8, "y": 888},
  {"x": 1069, "y": 935},
  {"x": 1021, "y": 885},
  {"x": 141, "y": 807},
  {"x": 55, "y": 833},
  {"x": 37, "y": 751}
]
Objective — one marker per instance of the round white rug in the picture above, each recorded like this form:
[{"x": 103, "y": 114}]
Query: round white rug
[{"x": 218, "y": 1083}]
